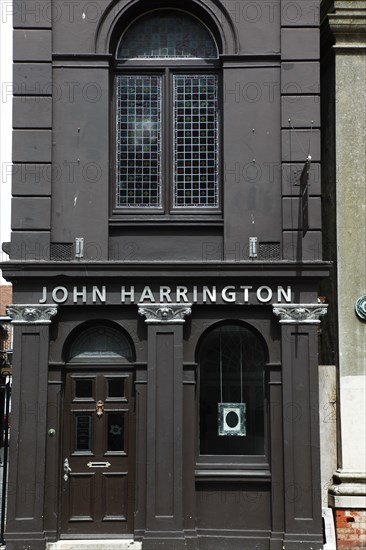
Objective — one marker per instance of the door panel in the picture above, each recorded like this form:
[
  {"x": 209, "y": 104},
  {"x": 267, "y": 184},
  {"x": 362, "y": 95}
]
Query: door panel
[{"x": 99, "y": 439}]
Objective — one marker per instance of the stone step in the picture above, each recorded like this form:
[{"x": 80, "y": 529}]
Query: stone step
[{"x": 123, "y": 544}]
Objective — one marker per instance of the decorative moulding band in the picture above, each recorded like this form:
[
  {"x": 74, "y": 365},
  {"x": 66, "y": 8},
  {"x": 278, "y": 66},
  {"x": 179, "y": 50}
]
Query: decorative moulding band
[
  {"x": 31, "y": 314},
  {"x": 298, "y": 314},
  {"x": 348, "y": 490},
  {"x": 165, "y": 313},
  {"x": 360, "y": 307}
]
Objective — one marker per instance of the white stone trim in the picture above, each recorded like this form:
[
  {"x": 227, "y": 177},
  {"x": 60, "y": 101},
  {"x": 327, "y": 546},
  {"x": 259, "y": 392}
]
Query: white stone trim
[
  {"x": 347, "y": 501},
  {"x": 110, "y": 544},
  {"x": 31, "y": 314},
  {"x": 298, "y": 314},
  {"x": 164, "y": 313}
]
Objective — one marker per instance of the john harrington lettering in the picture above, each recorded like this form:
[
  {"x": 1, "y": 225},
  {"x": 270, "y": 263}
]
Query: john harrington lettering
[{"x": 201, "y": 294}]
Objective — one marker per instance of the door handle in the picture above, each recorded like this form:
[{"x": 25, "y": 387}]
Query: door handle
[
  {"x": 67, "y": 469},
  {"x": 100, "y": 408}
]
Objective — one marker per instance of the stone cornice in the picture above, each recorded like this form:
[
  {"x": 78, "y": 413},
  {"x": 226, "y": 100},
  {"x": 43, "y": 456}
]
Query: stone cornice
[
  {"x": 31, "y": 314},
  {"x": 348, "y": 490},
  {"x": 348, "y": 23},
  {"x": 16, "y": 270},
  {"x": 300, "y": 314},
  {"x": 165, "y": 313}
]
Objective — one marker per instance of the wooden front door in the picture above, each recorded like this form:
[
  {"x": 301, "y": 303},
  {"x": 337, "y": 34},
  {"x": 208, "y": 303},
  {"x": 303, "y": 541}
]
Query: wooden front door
[{"x": 98, "y": 455}]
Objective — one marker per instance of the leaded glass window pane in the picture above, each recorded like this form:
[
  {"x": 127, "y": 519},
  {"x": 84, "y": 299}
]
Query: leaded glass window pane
[
  {"x": 100, "y": 342},
  {"x": 195, "y": 141},
  {"x": 116, "y": 430},
  {"x": 167, "y": 35},
  {"x": 138, "y": 141},
  {"x": 83, "y": 432}
]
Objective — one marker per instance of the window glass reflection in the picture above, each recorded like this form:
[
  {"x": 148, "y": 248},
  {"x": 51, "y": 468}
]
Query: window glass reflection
[
  {"x": 232, "y": 361},
  {"x": 116, "y": 432},
  {"x": 116, "y": 387},
  {"x": 83, "y": 388},
  {"x": 83, "y": 431}
]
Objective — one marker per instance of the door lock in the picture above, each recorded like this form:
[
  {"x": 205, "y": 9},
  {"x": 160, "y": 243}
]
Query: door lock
[{"x": 67, "y": 469}]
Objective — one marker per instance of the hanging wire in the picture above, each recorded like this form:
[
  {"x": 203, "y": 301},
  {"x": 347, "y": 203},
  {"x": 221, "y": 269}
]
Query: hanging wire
[
  {"x": 221, "y": 391},
  {"x": 297, "y": 137},
  {"x": 311, "y": 137},
  {"x": 241, "y": 368}
]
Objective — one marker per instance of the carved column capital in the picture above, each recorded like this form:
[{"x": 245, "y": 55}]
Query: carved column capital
[
  {"x": 360, "y": 307},
  {"x": 300, "y": 314},
  {"x": 31, "y": 314},
  {"x": 165, "y": 313}
]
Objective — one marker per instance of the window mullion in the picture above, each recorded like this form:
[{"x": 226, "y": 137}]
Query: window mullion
[{"x": 167, "y": 150}]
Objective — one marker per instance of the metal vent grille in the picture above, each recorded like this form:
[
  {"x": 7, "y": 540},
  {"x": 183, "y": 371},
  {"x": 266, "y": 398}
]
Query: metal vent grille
[
  {"x": 269, "y": 251},
  {"x": 61, "y": 252}
]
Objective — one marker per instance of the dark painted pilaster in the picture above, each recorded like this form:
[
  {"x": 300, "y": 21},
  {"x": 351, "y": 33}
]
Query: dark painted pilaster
[
  {"x": 301, "y": 447},
  {"x": 26, "y": 487},
  {"x": 53, "y": 453},
  {"x": 276, "y": 435},
  {"x": 141, "y": 460},
  {"x": 164, "y": 491}
]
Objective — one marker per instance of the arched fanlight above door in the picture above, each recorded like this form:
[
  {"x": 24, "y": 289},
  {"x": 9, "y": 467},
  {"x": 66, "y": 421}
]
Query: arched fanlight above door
[{"x": 100, "y": 342}]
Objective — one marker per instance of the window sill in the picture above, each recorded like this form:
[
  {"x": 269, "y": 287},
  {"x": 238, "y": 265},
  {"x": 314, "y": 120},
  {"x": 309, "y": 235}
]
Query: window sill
[{"x": 183, "y": 220}]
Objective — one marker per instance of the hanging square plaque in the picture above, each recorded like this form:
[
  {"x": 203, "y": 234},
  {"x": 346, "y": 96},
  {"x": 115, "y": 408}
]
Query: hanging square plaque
[{"x": 231, "y": 419}]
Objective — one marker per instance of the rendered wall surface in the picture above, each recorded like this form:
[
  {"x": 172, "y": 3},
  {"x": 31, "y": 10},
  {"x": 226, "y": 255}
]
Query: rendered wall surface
[{"x": 347, "y": 22}]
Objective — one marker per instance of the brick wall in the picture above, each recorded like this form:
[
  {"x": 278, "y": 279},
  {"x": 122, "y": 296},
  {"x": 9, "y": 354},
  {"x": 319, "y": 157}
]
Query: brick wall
[
  {"x": 351, "y": 529},
  {"x": 5, "y": 297}
]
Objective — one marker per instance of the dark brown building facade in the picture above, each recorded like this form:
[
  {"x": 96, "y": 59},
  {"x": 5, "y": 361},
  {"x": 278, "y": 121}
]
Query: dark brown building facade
[{"x": 166, "y": 259}]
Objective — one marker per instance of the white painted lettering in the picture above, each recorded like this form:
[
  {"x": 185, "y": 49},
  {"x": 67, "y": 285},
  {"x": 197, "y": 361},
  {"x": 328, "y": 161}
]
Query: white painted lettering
[
  {"x": 228, "y": 294},
  {"x": 182, "y": 293},
  {"x": 165, "y": 293},
  {"x": 127, "y": 294},
  {"x": 99, "y": 294},
  {"x": 81, "y": 293},
  {"x": 64, "y": 296},
  {"x": 195, "y": 295},
  {"x": 245, "y": 293},
  {"x": 262, "y": 298},
  {"x": 282, "y": 293},
  {"x": 43, "y": 300},
  {"x": 147, "y": 294},
  {"x": 210, "y": 294}
]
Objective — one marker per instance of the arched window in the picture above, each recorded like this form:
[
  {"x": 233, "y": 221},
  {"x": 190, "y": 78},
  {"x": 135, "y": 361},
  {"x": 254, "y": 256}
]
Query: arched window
[
  {"x": 100, "y": 342},
  {"x": 167, "y": 122},
  {"x": 167, "y": 34},
  {"x": 231, "y": 377}
]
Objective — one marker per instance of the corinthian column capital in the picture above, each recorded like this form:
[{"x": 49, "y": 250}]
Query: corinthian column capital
[
  {"x": 31, "y": 314},
  {"x": 297, "y": 314},
  {"x": 164, "y": 313}
]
